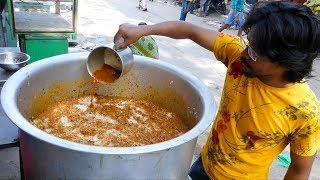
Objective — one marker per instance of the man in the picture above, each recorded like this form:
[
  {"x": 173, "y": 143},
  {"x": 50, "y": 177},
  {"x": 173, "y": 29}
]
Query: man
[
  {"x": 2, "y": 5},
  {"x": 246, "y": 11},
  {"x": 187, "y": 6},
  {"x": 142, "y": 5},
  {"x": 266, "y": 102},
  {"x": 235, "y": 16},
  {"x": 204, "y": 7}
]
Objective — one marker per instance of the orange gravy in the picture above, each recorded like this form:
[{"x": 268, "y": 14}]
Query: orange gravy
[
  {"x": 106, "y": 74},
  {"x": 110, "y": 121}
]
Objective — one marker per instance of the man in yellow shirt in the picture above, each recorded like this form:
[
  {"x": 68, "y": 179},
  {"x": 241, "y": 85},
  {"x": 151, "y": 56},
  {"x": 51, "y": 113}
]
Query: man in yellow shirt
[{"x": 266, "y": 102}]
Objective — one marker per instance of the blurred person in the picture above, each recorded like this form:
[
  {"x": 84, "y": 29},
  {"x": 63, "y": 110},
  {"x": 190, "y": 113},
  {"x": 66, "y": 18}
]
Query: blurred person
[
  {"x": 204, "y": 7},
  {"x": 187, "y": 6},
  {"x": 142, "y": 5},
  {"x": 249, "y": 6},
  {"x": 235, "y": 16}
]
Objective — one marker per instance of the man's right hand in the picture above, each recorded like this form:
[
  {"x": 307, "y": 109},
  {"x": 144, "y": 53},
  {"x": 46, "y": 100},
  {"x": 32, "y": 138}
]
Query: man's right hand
[{"x": 130, "y": 33}]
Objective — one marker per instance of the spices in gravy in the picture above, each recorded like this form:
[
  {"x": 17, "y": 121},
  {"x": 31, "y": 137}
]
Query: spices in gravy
[
  {"x": 110, "y": 121},
  {"x": 106, "y": 74}
]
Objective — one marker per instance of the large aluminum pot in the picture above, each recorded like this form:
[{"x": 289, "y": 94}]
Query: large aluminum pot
[{"x": 44, "y": 156}]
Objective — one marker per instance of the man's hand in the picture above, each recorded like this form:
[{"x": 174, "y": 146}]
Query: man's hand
[
  {"x": 130, "y": 33},
  {"x": 300, "y": 167}
]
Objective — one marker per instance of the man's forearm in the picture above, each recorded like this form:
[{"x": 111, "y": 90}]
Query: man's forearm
[
  {"x": 172, "y": 29},
  {"x": 300, "y": 167},
  {"x": 182, "y": 30},
  {"x": 294, "y": 174}
]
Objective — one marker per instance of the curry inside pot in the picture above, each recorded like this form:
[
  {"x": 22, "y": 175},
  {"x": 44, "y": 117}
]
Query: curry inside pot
[
  {"x": 111, "y": 115},
  {"x": 110, "y": 121}
]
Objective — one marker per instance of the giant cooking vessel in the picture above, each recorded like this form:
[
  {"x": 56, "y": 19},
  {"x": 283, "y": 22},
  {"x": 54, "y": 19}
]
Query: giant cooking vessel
[{"x": 33, "y": 88}]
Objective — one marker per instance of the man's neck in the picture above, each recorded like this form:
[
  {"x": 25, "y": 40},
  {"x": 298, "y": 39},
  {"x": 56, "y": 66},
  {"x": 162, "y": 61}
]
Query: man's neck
[{"x": 275, "y": 82}]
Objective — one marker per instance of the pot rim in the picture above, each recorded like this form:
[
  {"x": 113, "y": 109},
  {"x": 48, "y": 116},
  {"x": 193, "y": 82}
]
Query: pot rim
[{"x": 11, "y": 88}]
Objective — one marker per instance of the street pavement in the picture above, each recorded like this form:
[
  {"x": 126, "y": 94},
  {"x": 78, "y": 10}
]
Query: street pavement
[{"x": 99, "y": 21}]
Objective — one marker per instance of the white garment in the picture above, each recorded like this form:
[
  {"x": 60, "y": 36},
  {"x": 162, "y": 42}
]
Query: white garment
[{"x": 142, "y": 4}]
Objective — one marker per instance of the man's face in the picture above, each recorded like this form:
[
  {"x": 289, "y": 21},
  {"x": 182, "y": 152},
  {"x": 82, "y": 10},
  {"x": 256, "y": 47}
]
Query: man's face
[
  {"x": 249, "y": 69},
  {"x": 258, "y": 66}
]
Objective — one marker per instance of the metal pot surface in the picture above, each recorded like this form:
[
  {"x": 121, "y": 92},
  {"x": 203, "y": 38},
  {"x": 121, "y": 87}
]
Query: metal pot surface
[{"x": 33, "y": 88}]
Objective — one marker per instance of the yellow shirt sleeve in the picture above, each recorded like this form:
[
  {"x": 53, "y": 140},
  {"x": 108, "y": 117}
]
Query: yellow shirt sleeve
[
  {"x": 227, "y": 48},
  {"x": 305, "y": 140}
]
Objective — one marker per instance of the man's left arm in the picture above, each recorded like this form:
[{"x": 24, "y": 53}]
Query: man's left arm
[
  {"x": 304, "y": 143},
  {"x": 300, "y": 167}
]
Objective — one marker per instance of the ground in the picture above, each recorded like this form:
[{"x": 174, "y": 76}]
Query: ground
[{"x": 99, "y": 21}]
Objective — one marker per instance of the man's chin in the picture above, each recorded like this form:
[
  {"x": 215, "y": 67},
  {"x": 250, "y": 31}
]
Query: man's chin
[{"x": 249, "y": 74}]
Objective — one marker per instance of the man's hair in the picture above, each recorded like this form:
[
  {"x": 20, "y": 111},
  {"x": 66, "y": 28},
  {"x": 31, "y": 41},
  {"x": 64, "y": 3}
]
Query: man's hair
[{"x": 287, "y": 34}]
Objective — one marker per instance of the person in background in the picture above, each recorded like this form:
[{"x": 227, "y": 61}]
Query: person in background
[
  {"x": 2, "y": 5},
  {"x": 235, "y": 16},
  {"x": 142, "y": 5},
  {"x": 251, "y": 2},
  {"x": 187, "y": 6},
  {"x": 194, "y": 5},
  {"x": 249, "y": 6},
  {"x": 204, "y": 7},
  {"x": 266, "y": 102}
]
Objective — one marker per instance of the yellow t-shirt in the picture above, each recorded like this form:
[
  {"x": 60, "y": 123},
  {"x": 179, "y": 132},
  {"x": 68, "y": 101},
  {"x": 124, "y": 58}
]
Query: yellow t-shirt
[{"x": 255, "y": 122}]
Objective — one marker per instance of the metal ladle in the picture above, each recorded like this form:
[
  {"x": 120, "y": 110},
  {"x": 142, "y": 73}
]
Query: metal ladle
[{"x": 121, "y": 60}]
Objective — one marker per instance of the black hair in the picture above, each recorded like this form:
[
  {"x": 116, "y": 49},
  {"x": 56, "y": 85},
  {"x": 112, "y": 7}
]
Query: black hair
[{"x": 287, "y": 34}]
